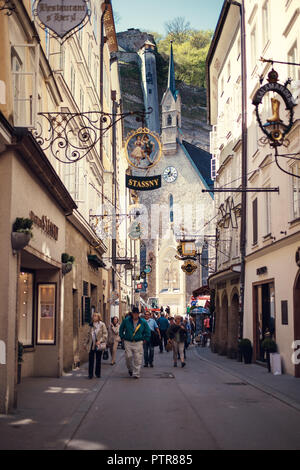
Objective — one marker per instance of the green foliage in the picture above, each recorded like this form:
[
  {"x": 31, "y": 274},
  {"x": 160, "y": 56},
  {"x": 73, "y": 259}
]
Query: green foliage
[
  {"x": 22, "y": 225},
  {"x": 190, "y": 52},
  {"x": 245, "y": 345},
  {"x": 66, "y": 258},
  {"x": 269, "y": 345}
]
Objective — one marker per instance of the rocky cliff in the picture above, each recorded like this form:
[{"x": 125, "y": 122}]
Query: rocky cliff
[{"x": 194, "y": 112}]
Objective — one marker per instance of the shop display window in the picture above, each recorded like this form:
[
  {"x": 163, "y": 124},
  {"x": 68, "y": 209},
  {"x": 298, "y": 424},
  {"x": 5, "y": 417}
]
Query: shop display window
[{"x": 46, "y": 313}]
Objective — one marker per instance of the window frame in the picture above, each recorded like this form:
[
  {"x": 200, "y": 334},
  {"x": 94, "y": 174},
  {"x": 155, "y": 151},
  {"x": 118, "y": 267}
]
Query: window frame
[{"x": 39, "y": 342}]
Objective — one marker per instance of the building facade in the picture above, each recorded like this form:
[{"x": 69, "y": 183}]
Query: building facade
[
  {"x": 271, "y": 294},
  {"x": 46, "y": 307}
]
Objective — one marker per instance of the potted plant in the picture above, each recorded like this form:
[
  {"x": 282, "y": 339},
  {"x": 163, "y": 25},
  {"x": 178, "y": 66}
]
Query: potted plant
[
  {"x": 67, "y": 263},
  {"x": 20, "y": 360},
  {"x": 21, "y": 233},
  {"x": 246, "y": 350},
  {"x": 269, "y": 346}
]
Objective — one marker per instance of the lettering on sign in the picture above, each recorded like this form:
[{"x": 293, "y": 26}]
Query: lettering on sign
[
  {"x": 143, "y": 183},
  {"x": 45, "y": 224},
  {"x": 62, "y": 16}
]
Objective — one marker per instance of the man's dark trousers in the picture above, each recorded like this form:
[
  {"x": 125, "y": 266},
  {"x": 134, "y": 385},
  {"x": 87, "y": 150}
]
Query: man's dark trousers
[
  {"x": 164, "y": 339},
  {"x": 148, "y": 353}
]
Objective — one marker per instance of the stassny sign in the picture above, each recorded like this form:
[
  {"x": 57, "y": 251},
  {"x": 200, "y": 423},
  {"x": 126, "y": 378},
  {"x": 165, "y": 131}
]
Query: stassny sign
[{"x": 145, "y": 183}]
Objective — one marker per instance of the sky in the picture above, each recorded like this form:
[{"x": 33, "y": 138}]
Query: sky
[{"x": 152, "y": 15}]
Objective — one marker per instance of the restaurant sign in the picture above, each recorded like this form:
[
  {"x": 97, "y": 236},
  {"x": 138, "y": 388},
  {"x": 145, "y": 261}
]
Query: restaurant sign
[{"x": 61, "y": 16}]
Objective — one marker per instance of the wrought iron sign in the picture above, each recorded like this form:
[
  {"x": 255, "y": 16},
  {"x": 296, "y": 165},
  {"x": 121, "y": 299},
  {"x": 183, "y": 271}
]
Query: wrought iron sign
[
  {"x": 275, "y": 128},
  {"x": 228, "y": 214},
  {"x": 69, "y": 137},
  {"x": 62, "y": 18}
]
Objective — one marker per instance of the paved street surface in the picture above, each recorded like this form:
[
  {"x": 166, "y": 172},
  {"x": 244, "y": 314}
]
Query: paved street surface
[{"x": 213, "y": 403}]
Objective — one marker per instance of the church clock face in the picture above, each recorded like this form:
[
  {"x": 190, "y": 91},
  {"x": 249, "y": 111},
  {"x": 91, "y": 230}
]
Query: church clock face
[{"x": 170, "y": 174}]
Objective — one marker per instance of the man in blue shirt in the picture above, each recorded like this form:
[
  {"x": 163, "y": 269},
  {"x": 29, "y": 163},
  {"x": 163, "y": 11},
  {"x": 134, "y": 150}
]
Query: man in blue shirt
[
  {"x": 163, "y": 325},
  {"x": 149, "y": 345}
]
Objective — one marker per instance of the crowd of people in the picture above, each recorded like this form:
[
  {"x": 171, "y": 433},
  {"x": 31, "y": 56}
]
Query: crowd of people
[{"x": 140, "y": 333}]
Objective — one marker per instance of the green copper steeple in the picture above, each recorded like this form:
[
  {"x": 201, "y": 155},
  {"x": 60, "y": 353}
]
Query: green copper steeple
[{"x": 171, "y": 78}]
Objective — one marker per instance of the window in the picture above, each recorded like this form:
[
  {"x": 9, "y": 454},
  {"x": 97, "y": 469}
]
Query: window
[
  {"x": 73, "y": 80},
  {"x": 253, "y": 47},
  {"x": 293, "y": 70},
  {"x": 296, "y": 190},
  {"x": 25, "y": 311},
  {"x": 171, "y": 208},
  {"x": 265, "y": 23},
  {"x": 255, "y": 221},
  {"x": 267, "y": 197},
  {"x": 46, "y": 313},
  {"x": 169, "y": 120}
]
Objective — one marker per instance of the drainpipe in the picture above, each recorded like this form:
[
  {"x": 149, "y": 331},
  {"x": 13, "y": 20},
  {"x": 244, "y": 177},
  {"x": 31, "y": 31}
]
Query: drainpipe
[{"x": 244, "y": 162}]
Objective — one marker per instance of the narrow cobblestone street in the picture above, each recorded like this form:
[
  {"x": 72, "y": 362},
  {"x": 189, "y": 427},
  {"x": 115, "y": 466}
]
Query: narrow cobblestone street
[{"x": 210, "y": 404}]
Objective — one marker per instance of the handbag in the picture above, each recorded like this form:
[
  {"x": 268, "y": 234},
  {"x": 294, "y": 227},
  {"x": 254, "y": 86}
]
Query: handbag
[
  {"x": 154, "y": 339},
  {"x": 101, "y": 347},
  {"x": 105, "y": 355},
  {"x": 169, "y": 345}
]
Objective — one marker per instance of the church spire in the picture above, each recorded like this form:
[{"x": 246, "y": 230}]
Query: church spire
[{"x": 171, "y": 78}]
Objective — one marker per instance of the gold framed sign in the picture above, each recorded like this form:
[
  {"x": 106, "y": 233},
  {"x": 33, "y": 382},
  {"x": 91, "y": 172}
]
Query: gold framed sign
[{"x": 143, "y": 149}]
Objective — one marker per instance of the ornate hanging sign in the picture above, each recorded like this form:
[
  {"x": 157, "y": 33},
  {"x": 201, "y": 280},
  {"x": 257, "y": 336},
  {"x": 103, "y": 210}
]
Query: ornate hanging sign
[
  {"x": 143, "y": 149},
  {"x": 62, "y": 17},
  {"x": 189, "y": 267},
  {"x": 146, "y": 183},
  {"x": 135, "y": 231},
  {"x": 275, "y": 128}
]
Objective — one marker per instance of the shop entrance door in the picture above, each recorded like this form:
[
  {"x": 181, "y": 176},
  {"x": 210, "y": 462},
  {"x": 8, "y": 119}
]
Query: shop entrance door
[
  {"x": 297, "y": 319},
  {"x": 264, "y": 304}
]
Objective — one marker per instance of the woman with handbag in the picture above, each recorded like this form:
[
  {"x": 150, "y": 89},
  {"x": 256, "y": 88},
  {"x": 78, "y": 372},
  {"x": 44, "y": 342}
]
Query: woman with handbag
[
  {"x": 113, "y": 338},
  {"x": 177, "y": 334},
  {"x": 96, "y": 344}
]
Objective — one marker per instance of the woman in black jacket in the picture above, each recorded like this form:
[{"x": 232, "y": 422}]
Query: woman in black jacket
[{"x": 177, "y": 334}]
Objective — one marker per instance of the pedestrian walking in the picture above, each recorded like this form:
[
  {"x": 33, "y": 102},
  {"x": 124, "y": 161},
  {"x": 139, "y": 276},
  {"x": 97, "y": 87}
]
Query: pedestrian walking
[
  {"x": 134, "y": 330},
  {"x": 177, "y": 334},
  {"x": 163, "y": 325},
  {"x": 150, "y": 344},
  {"x": 113, "y": 338},
  {"x": 96, "y": 344}
]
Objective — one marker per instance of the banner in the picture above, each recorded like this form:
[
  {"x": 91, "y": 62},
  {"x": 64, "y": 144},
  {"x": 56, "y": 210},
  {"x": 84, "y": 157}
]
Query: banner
[{"x": 143, "y": 183}]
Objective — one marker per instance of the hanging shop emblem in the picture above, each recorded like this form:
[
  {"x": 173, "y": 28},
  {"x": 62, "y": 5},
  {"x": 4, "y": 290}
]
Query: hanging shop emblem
[
  {"x": 146, "y": 183},
  {"x": 61, "y": 16},
  {"x": 143, "y": 149},
  {"x": 189, "y": 267},
  {"x": 135, "y": 231},
  {"x": 275, "y": 128}
]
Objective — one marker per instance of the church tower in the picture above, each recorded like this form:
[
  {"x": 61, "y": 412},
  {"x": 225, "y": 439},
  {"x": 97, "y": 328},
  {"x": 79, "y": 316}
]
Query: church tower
[
  {"x": 149, "y": 85},
  {"x": 171, "y": 112}
]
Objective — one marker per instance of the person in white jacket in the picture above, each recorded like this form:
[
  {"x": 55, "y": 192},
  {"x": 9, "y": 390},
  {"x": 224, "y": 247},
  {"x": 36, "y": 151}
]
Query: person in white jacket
[
  {"x": 113, "y": 338},
  {"x": 96, "y": 344}
]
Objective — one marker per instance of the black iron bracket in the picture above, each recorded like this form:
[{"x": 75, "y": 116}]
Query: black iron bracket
[{"x": 71, "y": 136}]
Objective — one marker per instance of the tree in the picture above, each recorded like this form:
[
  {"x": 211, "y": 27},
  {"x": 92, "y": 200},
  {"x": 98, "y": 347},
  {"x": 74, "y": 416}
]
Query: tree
[{"x": 178, "y": 29}]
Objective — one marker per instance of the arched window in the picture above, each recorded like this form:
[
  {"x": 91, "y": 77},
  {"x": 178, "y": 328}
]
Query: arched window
[
  {"x": 171, "y": 203},
  {"x": 169, "y": 120}
]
